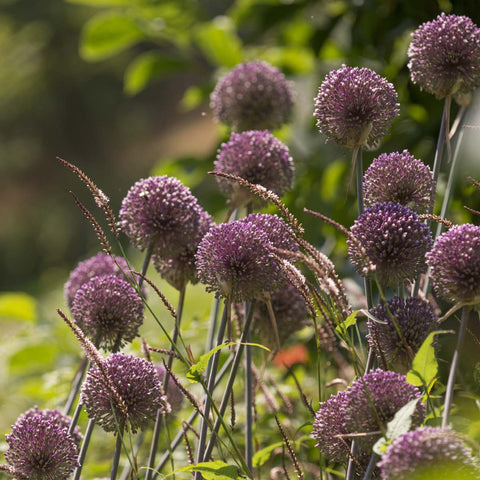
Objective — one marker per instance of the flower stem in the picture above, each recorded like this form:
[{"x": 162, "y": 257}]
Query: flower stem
[
  {"x": 357, "y": 160},
  {"x": 116, "y": 455},
  {"x": 83, "y": 450},
  {"x": 77, "y": 381}
]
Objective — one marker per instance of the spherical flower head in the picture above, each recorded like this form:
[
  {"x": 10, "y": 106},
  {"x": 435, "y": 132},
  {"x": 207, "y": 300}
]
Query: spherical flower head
[
  {"x": 328, "y": 427},
  {"x": 174, "y": 394},
  {"x": 445, "y": 55},
  {"x": 429, "y": 452},
  {"x": 180, "y": 269},
  {"x": 162, "y": 213},
  {"x": 373, "y": 401},
  {"x": 109, "y": 311},
  {"x": 355, "y": 107},
  {"x": 400, "y": 178},
  {"x": 256, "y": 156},
  {"x": 252, "y": 96},
  {"x": 100, "y": 264},
  {"x": 413, "y": 317},
  {"x": 136, "y": 383},
  {"x": 236, "y": 259},
  {"x": 394, "y": 239},
  {"x": 40, "y": 447},
  {"x": 455, "y": 264}
]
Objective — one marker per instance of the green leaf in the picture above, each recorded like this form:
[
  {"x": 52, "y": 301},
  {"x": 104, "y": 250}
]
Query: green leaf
[
  {"x": 33, "y": 359},
  {"x": 217, "y": 470},
  {"x": 263, "y": 455},
  {"x": 348, "y": 322},
  {"x": 107, "y": 34},
  {"x": 18, "y": 306},
  {"x": 425, "y": 365},
  {"x": 149, "y": 66},
  {"x": 402, "y": 421}
]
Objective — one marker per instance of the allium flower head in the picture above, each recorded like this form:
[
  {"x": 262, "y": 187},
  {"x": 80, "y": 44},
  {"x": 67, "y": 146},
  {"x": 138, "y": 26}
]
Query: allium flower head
[
  {"x": 236, "y": 259},
  {"x": 413, "y": 317},
  {"x": 373, "y": 400},
  {"x": 455, "y": 264},
  {"x": 429, "y": 452},
  {"x": 138, "y": 386},
  {"x": 400, "y": 178},
  {"x": 445, "y": 55},
  {"x": 109, "y": 311},
  {"x": 394, "y": 239},
  {"x": 40, "y": 447},
  {"x": 355, "y": 107},
  {"x": 160, "y": 212},
  {"x": 174, "y": 394},
  {"x": 100, "y": 264},
  {"x": 252, "y": 96},
  {"x": 258, "y": 157}
]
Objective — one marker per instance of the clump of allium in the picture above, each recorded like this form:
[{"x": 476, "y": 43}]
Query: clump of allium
[
  {"x": 180, "y": 269},
  {"x": 139, "y": 393},
  {"x": 161, "y": 213},
  {"x": 40, "y": 447},
  {"x": 109, "y": 311},
  {"x": 252, "y": 96},
  {"x": 429, "y": 453},
  {"x": 455, "y": 264},
  {"x": 174, "y": 394},
  {"x": 373, "y": 400},
  {"x": 100, "y": 264},
  {"x": 445, "y": 55},
  {"x": 355, "y": 107},
  {"x": 258, "y": 157},
  {"x": 400, "y": 178},
  {"x": 413, "y": 317},
  {"x": 236, "y": 259},
  {"x": 394, "y": 239}
]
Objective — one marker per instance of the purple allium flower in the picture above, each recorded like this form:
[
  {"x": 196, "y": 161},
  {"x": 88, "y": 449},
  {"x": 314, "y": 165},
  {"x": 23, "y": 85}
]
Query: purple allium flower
[
  {"x": 445, "y": 55},
  {"x": 428, "y": 453},
  {"x": 328, "y": 427},
  {"x": 109, "y": 311},
  {"x": 258, "y": 157},
  {"x": 413, "y": 317},
  {"x": 400, "y": 178},
  {"x": 174, "y": 394},
  {"x": 373, "y": 400},
  {"x": 252, "y": 96},
  {"x": 394, "y": 239},
  {"x": 161, "y": 212},
  {"x": 355, "y": 107},
  {"x": 136, "y": 383},
  {"x": 40, "y": 447},
  {"x": 180, "y": 269},
  {"x": 455, "y": 264},
  {"x": 100, "y": 264},
  {"x": 236, "y": 261}
]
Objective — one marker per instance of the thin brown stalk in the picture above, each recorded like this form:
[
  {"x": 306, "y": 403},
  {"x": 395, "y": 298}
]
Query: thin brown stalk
[
  {"x": 164, "y": 351},
  {"x": 159, "y": 293},
  {"x": 291, "y": 453},
  {"x": 436, "y": 218},
  {"x": 188, "y": 395},
  {"x": 187, "y": 443}
]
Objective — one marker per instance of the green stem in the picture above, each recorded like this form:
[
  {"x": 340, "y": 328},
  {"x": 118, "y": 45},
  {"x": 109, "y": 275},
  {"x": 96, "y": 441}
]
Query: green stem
[
  {"x": 83, "y": 449},
  {"x": 357, "y": 160},
  {"x": 77, "y": 381},
  {"x": 116, "y": 455}
]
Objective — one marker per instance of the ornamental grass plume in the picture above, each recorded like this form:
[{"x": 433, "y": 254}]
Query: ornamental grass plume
[
  {"x": 258, "y": 157},
  {"x": 444, "y": 56},
  {"x": 400, "y": 178},
  {"x": 109, "y": 311},
  {"x": 139, "y": 393},
  {"x": 355, "y": 107},
  {"x": 399, "y": 330},
  {"x": 394, "y": 239},
  {"x": 455, "y": 264},
  {"x": 252, "y": 96},
  {"x": 429, "y": 453},
  {"x": 40, "y": 446}
]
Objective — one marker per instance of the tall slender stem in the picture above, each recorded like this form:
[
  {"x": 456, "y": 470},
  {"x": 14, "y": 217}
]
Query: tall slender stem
[
  {"x": 248, "y": 391},
  {"x": 146, "y": 263},
  {"x": 357, "y": 159},
  {"x": 83, "y": 449},
  {"x": 77, "y": 381},
  {"x": 116, "y": 455},
  {"x": 441, "y": 139}
]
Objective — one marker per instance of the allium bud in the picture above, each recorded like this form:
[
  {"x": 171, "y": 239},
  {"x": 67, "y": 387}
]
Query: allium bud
[
  {"x": 100, "y": 264},
  {"x": 252, "y": 96},
  {"x": 40, "y": 447},
  {"x": 236, "y": 259},
  {"x": 355, "y": 107},
  {"x": 109, "y": 311},
  {"x": 455, "y": 264},
  {"x": 394, "y": 239},
  {"x": 445, "y": 55},
  {"x": 162, "y": 213},
  {"x": 258, "y": 157},
  {"x": 429, "y": 453},
  {"x": 399, "y": 178},
  {"x": 413, "y": 317},
  {"x": 138, "y": 393},
  {"x": 174, "y": 394}
]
